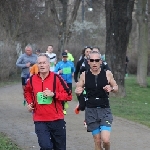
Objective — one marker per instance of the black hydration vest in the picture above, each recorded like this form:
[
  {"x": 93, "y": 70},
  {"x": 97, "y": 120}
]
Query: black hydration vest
[{"x": 96, "y": 95}]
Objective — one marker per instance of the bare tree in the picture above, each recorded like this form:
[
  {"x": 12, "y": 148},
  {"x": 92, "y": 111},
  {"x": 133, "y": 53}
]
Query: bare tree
[
  {"x": 17, "y": 21},
  {"x": 64, "y": 24},
  {"x": 118, "y": 27},
  {"x": 10, "y": 16}
]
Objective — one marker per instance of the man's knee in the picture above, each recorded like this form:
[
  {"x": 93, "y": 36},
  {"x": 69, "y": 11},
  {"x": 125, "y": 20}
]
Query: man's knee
[
  {"x": 105, "y": 135},
  {"x": 106, "y": 140}
]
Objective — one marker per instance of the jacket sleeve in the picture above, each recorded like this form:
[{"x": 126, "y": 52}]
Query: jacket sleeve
[
  {"x": 28, "y": 92},
  {"x": 77, "y": 70},
  {"x": 62, "y": 92},
  {"x": 19, "y": 62}
]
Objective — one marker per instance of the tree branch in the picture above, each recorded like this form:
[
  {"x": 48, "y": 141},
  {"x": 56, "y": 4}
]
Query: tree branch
[
  {"x": 73, "y": 18},
  {"x": 54, "y": 13}
]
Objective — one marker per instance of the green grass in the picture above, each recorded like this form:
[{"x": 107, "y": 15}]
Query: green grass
[
  {"x": 7, "y": 144},
  {"x": 136, "y": 105}
]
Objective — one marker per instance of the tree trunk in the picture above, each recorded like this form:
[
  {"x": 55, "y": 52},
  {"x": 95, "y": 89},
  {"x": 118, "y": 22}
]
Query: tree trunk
[
  {"x": 62, "y": 28},
  {"x": 142, "y": 19},
  {"x": 118, "y": 28}
]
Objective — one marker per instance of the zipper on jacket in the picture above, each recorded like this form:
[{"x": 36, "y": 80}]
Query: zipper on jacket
[{"x": 42, "y": 85}]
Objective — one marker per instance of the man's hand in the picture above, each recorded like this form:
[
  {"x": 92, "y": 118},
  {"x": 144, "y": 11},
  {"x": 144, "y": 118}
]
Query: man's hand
[
  {"x": 30, "y": 107},
  {"x": 60, "y": 71},
  {"x": 79, "y": 89},
  {"x": 108, "y": 88},
  {"x": 48, "y": 92},
  {"x": 28, "y": 64}
]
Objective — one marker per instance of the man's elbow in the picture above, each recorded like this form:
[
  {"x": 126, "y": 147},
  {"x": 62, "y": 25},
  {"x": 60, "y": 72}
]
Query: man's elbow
[{"x": 17, "y": 64}]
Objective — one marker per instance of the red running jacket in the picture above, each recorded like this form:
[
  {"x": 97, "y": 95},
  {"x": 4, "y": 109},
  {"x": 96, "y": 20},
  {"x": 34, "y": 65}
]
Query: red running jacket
[{"x": 48, "y": 112}]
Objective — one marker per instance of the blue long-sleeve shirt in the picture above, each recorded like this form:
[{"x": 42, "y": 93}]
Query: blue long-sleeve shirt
[
  {"x": 23, "y": 60},
  {"x": 67, "y": 68}
]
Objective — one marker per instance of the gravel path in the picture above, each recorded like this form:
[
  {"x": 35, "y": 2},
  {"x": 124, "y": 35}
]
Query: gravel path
[{"x": 17, "y": 123}]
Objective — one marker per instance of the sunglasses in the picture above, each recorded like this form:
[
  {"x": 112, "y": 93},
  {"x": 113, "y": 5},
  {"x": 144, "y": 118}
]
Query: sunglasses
[
  {"x": 96, "y": 60},
  {"x": 88, "y": 47}
]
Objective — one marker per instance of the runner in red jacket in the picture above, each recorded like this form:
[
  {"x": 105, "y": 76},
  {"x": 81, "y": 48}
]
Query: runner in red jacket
[
  {"x": 51, "y": 111},
  {"x": 44, "y": 93}
]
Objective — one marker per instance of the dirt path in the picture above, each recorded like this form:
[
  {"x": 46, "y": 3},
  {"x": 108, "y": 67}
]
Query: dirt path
[{"x": 17, "y": 123}]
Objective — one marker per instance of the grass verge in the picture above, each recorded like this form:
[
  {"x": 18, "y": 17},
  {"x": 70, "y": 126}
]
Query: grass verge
[
  {"x": 136, "y": 105},
  {"x": 7, "y": 144}
]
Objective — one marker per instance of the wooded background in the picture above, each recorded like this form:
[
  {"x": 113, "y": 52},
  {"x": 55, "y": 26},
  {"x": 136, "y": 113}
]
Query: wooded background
[{"x": 118, "y": 27}]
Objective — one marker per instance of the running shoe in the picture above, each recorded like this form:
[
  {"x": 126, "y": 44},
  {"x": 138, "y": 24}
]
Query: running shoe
[
  {"x": 77, "y": 111},
  {"x": 65, "y": 112}
]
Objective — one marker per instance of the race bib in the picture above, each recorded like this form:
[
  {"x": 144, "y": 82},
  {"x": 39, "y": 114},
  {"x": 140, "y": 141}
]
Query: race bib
[
  {"x": 41, "y": 99},
  {"x": 67, "y": 70}
]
